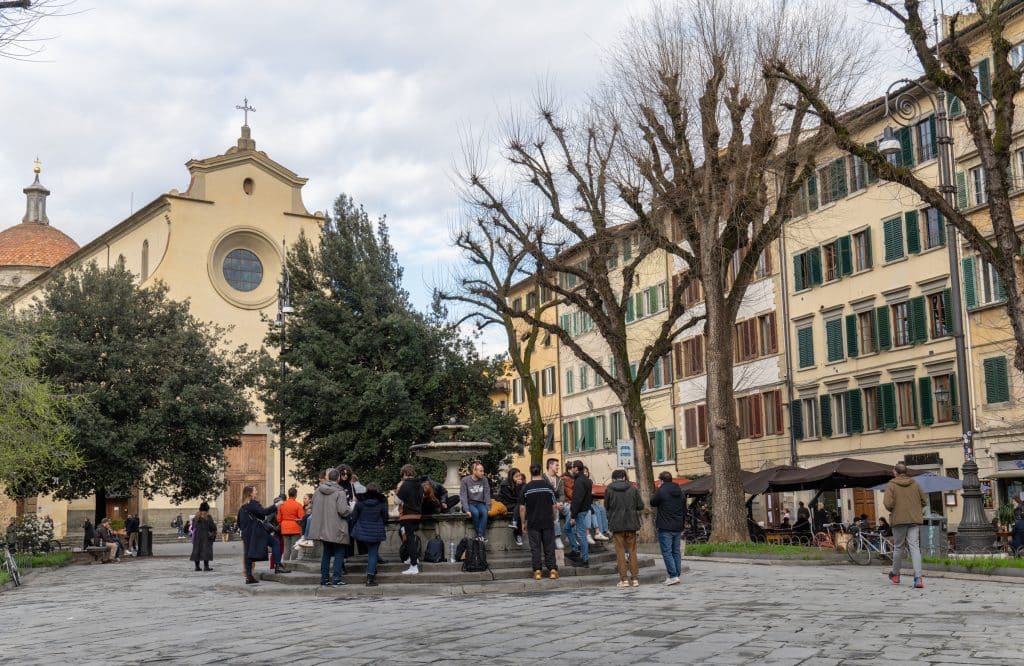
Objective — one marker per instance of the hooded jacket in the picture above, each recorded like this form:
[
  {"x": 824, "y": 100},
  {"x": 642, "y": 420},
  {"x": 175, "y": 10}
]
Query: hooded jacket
[
  {"x": 905, "y": 501},
  {"x": 671, "y": 506},
  {"x": 623, "y": 504},
  {"x": 370, "y": 518},
  {"x": 330, "y": 507}
]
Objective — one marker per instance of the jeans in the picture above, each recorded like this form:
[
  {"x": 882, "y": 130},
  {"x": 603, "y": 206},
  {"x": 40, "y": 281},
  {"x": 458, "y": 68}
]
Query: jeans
[
  {"x": 331, "y": 550},
  {"x": 582, "y": 525},
  {"x": 909, "y": 536},
  {"x": 599, "y": 520},
  {"x": 478, "y": 514},
  {"x": 625, "y": 543},
  {"x": 372, "y": 556},
  {"x": 669, "y": 542},
  {"x": 542, "y": 542},
  {"x": 570, "y": 534}
]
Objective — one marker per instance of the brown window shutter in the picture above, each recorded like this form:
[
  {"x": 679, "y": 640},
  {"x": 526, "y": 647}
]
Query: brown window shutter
[
  {"x": 702, "y": 424},
  {"x": 690, "y": 425},
  {"x": 755, "y": 412},
  {"x": 677, "y": 350}
]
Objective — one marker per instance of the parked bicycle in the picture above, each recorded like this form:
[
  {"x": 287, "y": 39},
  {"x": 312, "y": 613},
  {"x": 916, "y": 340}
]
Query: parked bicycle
[
  {"x": 864, "y": 545},
  {"x": 11, "y": 567}
]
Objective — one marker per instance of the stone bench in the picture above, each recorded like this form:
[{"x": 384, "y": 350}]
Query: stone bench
[{"x": 90, "y": 555}]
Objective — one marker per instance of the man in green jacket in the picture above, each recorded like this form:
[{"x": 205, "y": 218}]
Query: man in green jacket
[
  {"x": 905, "y": 502},
  {"x": 623, "y": 504}
]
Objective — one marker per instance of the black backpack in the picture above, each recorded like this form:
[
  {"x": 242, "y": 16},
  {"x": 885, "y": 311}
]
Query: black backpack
[
  {"x": 460, "y": 550},
  {"x": 434, "y": 551},
  {"x": 476, "y": 556}
]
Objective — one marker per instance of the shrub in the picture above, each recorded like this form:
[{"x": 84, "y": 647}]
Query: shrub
[{"x": 32, "y": 535}]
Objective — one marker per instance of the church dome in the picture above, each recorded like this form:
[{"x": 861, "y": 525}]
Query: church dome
[{"x": 34, "y": 242}]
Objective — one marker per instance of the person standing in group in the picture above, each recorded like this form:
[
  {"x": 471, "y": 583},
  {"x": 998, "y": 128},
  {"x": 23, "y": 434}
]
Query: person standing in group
[
  {"x": 255, "y": 537},
  {"x": 622, "y": 500},
  {"x": 820, "y": 517},
  {"x": 508, "y": 494},
  {"x": 410, "y": 494},
  {"x": 307, "y": 509},
  {"x": 475, "y": 497},
  {"x": 669, "y": 522},
  {"x": 204, "y": 533},
  {"x": 905, "y": 502},
  {"x": 568, "y": 483},
  {"x": 598, "y": 518},
  {"x": 538, "y": 516},
  {"x": 579, "y": 512},
  {"x": 554, "y": 479},
  {"x": 288, "y": 516},
  {"x": 369, "y": 526},
  {"x": 330, "y": 527}
]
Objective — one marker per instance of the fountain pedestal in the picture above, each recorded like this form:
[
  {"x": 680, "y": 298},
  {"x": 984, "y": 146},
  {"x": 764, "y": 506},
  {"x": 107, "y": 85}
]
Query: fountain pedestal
[{"x": 452, "y": 453}]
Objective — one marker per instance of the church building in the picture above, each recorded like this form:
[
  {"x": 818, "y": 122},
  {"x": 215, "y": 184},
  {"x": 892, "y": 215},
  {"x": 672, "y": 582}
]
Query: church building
[{"x": 220, "y": 244}]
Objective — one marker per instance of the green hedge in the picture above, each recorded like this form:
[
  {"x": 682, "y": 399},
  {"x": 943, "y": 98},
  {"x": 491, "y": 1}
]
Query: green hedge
[
  {"x": 705, "y": 549},
  {"x": 980, "y": 565}
]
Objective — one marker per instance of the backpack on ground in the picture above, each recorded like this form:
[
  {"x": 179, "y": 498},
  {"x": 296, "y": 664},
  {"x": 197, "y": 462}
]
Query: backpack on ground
[
  {"x": 460, "y": 550},
  {"x": 476, "y": 557},
  {"x": 434, "y": 551}
]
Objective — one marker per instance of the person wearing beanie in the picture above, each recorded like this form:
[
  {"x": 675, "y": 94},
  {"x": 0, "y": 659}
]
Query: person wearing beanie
[{"x": 204, "y": 533}]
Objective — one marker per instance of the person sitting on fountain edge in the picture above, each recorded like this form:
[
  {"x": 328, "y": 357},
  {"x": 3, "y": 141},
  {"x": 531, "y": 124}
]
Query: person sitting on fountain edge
[
  {"x": 475, "y": 496},
  {"x": 436, "y": 498}
]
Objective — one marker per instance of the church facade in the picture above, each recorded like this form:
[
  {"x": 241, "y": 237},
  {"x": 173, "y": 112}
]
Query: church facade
[{"x": 220, "y": 244}]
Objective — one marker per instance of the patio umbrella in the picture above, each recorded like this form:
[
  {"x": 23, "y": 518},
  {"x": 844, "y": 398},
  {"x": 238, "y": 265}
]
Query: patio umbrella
[
  {"x": 706, "y": 485},
  {"x": 931, "y": 482},
  {"x": 842, "y": 473}
]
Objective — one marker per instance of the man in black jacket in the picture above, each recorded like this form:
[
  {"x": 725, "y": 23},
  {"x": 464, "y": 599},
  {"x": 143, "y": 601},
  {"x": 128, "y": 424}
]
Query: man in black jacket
[
  {"x": 671, "y": 506},
  {"x": 579, "y": 511}
]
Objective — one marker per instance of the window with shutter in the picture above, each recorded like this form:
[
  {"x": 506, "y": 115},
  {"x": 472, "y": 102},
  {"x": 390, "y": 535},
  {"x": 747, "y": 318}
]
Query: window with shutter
[
  {"x": 984, "y": 76},
  {"x": 690, "y": 427},
  {"x": 630, "y": 313},
  {"x": 906, "y": 155},
  {"x": 805, "y": 345},
  {"x": 798, "y": 273},
  {"x": 924, "y": 386},
  {"x": 862, "y": 250},
  {"x": 883, "y": 334},
  {"x": 866, "y": 329},
  {"x": 677, "y": 351},
  {"x": 812, "y": 192},
  {"x": 961, "y": 190},
  {"x": 851, "y": 335},
  {"x": 845, "y": 255},
  {"x": 826, "y": 416},
  {"x": 659, "y": 446},
  {"x": 893, "y": 232},
  {"x": 796, "y": 420},
  {"x": 887, "y": 396},
  {"x": 814, "y": 256},
  {"x": 970, "y": 288},
  {"x": 856, "y": 411},
  {"x": 997, "y": 384},
  {"x": 918, "y": 321},
  {"x": 702, "y": 424},
  {"x": 834, "y": 340},
  {"x": 913, "y": 231},
  {"x": 638, "y": 304}
]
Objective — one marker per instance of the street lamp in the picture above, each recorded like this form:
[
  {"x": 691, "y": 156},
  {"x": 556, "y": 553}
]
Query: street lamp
[
  {"x": 284, "y": 308},
  {"x": 903, "y": 105}
]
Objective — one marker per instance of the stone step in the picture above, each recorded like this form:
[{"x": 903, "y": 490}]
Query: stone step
[
  {"x": 444, "y": 573},
  {"x": 500, "y": 560}
]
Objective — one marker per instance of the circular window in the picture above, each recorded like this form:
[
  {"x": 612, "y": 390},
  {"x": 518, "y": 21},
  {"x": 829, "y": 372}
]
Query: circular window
[{"x": 243, "y": 270}]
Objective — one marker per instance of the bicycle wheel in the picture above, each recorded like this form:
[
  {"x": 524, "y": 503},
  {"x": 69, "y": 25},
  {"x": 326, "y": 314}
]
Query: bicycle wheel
[
  {"x": 859, "y": 551},
  {"x": 12, "y": 568}
]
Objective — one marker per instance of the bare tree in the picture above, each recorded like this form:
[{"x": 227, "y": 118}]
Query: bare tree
[
  {"x": 18, "y": 19},
  {"x": 562, "y": 209},
  {"x": 989, "y": 115},
  {"x": 721, "y": 150},
  {"x": 496, "y": 262}
]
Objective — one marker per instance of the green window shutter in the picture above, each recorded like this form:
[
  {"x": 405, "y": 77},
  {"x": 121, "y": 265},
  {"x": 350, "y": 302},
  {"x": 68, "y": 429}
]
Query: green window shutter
[
  {"x": 970, "y": 292},
  {"x": 906, "y": 158},
  {"x": 591, "y": 429},
  {"x": 659, "y": 446},
  {"x": 893, "y": 229},
  {"x": 839, "y": 187},
  {"x": 845, "y": 255},
  {"x": 887, "y": 395},
  {"x": 961, "y": 189},
  {"x": 566, "y": 323},
  {"x": 796, "y": 420},
  {"x": 872, "y": 176},
  {"x": 805, "y": 344},
  {"x": 814, "y": 254},
  {"x": 942, "y": 229},
  {"x": 947, "y": 311},
  {"x": 984, "y": 81},
  {"x": 798, "y": 273},
  {"x": 851, "y": 335},
  {"x": 826, "y": 415},
  {"x": 565, "y": 438},
  {"x": 652, "y": 299},
  {"x": 638, "y": 307},
  {"x": 1000, "y": 291},
  {"x": 630, "y": 315},
  {"x": 856, "y": 410},
  {"x": 913, "y": 232},
  {"x": 997, "y": 385},
  {"x": 627, "y": 249},
  {"x": 834, "y": 339},
  {"x": 632, "y": 370},
  {"x": 924, "y": 385},
  {"x": 918, "y": 320},
  {"x": 867, "y": 238},
  {"x": 883, "y": 335},
  {"x": 952, "y": 396},
  {"x": 812, "y": 192}
]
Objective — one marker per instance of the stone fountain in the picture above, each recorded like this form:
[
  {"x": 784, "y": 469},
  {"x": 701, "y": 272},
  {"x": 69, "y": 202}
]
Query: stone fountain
[{"x": 450, "y": 451}]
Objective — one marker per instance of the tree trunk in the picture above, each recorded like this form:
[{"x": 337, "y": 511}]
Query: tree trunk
[
  {"x": 537, "y": 434},
  {"x": 728, "y": 517},
  {"x": 637, "y": 420},
  {"x": 101, "y": 505},
  {"x": 1015, "y": 311}
]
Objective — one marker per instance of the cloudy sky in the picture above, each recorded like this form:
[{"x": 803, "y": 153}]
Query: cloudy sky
[{"x": 364, "y": 97}]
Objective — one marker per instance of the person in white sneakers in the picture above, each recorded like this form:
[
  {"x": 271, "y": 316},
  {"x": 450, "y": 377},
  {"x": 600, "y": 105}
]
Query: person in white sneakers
[{"x": 410, "y": 496}]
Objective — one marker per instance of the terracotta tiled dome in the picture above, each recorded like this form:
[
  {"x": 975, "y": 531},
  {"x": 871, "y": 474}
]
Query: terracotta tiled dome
[{"x": 33, "y": 244}]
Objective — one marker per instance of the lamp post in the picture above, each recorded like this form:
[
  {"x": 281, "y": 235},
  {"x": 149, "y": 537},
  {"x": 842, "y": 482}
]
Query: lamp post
[
  {"x": 974, "y": 534},
  {"x": 284, "y": 308}
]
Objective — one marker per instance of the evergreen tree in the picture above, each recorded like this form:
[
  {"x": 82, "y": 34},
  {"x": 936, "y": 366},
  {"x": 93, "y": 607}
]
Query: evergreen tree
[
  {"x": 367, "y": 376},
  {"x": 157, "y": 401}
]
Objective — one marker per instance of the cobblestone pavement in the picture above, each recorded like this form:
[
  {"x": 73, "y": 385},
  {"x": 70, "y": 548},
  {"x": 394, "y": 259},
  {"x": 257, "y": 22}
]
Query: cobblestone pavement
[{"x": 158, "y": 610}]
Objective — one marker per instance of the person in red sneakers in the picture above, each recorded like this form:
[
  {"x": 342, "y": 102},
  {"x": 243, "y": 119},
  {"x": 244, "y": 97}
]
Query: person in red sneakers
[{"x": 905, "y": 501}]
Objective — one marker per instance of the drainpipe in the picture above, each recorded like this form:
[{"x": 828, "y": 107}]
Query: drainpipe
[{"x": 787, "y": 343}]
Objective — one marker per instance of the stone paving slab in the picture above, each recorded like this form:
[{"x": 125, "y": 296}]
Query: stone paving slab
[{"x": 158, "y": 610}]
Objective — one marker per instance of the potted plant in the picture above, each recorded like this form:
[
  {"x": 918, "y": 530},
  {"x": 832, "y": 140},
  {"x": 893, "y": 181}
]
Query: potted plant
[{"x": 1005, "y": 515}]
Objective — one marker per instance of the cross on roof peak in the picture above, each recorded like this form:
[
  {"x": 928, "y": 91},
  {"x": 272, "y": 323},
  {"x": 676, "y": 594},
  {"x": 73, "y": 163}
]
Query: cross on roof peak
[{"x": 245, "y": 108}]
